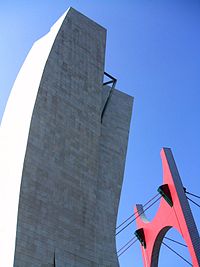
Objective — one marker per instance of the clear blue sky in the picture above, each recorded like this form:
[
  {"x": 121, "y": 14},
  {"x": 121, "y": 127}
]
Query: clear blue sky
[{"x": 153, "y": 49}]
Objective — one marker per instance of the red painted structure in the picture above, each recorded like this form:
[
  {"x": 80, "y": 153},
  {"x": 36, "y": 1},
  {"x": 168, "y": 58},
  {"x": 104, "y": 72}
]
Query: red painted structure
[{"x": 178, "y": 215}]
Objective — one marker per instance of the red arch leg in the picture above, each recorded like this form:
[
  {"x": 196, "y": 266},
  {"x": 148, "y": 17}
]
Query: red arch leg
[{"x": 178, "y": 215}]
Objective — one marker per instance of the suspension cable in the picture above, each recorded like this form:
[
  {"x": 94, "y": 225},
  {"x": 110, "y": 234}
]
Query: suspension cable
[
  {"x": 137, "y": 216},
  {"x": 192, "y": 194},
  {"x": 127, "y": 244},
  {"x": 136, "y": 212},
  {"x": 175, "y": 241},
  {"x": 193, "y": 202},
  {"x": 127, "y": 248},
  {"x": 177, "y": 253}
]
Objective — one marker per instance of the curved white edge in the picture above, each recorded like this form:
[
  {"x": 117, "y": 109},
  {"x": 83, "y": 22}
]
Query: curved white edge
[
  {"x": 141, "y": 213},
  {"x": 14, "y": 132}
]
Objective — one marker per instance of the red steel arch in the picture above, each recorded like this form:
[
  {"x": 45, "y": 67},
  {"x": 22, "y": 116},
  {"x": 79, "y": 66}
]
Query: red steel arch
[{"x": 175, "y": 213}]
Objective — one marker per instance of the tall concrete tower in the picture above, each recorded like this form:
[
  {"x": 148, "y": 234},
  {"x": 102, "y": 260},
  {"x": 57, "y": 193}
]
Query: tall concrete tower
[{"x": 63, "y": 142}]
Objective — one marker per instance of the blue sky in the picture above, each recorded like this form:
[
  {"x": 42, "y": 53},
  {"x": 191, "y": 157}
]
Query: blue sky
[{"x": 153, "y": 49}]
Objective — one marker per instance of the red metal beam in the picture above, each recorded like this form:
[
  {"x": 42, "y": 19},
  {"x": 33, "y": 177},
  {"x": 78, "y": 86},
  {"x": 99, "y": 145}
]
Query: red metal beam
[{"x": 177, "y": 215}]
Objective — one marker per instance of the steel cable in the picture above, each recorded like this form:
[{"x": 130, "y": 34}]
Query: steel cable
[
  {"x": 175, "y": 241},
  {"x": 192, "y": 194},
  {"x": 137, "y": 216},
  {"x": 194, "y": 202},
  {"x": 136, "y": 212},
  {"x": 177, "y": 253},
  {"x": 127, "y": 248},
  {"x": 127, "y": 244}
]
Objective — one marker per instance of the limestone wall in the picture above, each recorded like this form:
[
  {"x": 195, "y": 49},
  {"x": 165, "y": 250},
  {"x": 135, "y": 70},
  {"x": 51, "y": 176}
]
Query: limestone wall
[{"x": 73, "y": 163}]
